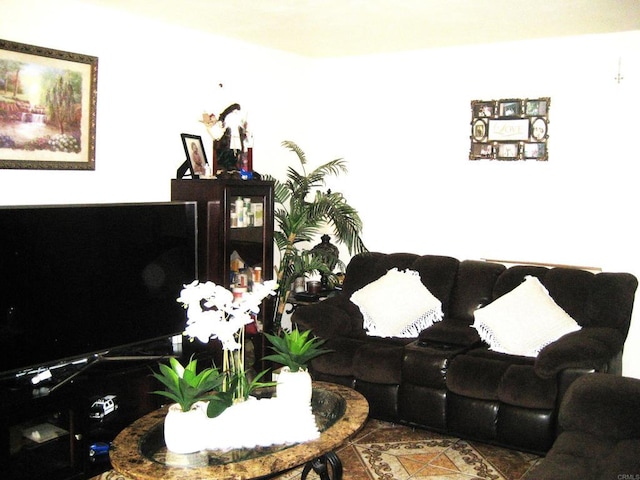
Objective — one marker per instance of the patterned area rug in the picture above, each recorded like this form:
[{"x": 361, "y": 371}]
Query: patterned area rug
[{"x": 384, "y": 451}]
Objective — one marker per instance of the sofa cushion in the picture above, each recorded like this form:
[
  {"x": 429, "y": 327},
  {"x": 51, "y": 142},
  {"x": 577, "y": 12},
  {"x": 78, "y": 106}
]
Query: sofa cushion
[
  {"x": 523, "y": 321},
  {"x": 339, "y": 361},
  {"x": 427, "y": 365},
  {"x": 438, "y": 273},
  {"x": 378, "y": 362},
  {"x": 397, "y": 305},
  {"x": 476, "y": 377},
  {"x": 520, "y": 386},
  {"x": 473, "y": 288}
]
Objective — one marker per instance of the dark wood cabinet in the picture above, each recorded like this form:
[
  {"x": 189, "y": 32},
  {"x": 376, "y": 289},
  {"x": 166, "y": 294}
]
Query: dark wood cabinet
[{"x": 235, "y": 221}]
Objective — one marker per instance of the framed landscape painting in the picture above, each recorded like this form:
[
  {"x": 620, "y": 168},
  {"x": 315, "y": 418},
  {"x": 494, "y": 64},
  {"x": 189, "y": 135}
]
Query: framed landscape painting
[{"x": 47, "y": 108}]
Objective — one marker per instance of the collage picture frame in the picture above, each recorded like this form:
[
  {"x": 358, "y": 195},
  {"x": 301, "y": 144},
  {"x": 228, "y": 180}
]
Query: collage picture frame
[{"x": 510, "y": 129}]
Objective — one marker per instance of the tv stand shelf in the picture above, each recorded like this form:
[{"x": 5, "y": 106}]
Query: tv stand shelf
[{"x": 48, "y": 436}]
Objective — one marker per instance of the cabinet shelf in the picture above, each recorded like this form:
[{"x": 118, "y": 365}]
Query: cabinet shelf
[{"x": 247, "y": 234}]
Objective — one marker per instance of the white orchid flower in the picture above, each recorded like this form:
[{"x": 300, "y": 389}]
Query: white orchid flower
[{"x": 212, "y": 312}]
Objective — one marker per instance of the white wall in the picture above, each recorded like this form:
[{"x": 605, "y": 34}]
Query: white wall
[
  {"x": 154, "y": 82},
  {"x": 401, "y": 120}
]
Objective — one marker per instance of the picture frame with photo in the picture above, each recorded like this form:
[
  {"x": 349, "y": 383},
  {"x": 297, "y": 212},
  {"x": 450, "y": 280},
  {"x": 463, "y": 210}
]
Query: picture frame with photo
[
  {"x": 510, "y": 108},
  {"x": 479, "y": 131},
  {"x": 538, "y": 129},
  {"x": 535, "y": 151},
  {"x": 536, "y": 108},
  {"x": 481, "y": 151},
  {"x": 482, "y": 109},
  {"x": 196, "y": 155},
  {"x": 508, "y": 151}
]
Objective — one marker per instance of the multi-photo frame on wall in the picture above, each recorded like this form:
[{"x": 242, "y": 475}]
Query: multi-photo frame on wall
[{"x": 510, "y": 129}]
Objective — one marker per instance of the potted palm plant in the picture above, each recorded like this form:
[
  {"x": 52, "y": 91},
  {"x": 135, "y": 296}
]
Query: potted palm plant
[
  {"x": 300, "y": 213},
  {"x": 294, "y": 350}
]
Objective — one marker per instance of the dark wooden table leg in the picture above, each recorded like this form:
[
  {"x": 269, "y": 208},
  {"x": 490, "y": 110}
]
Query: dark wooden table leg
[{"x": 327, "y": 466}]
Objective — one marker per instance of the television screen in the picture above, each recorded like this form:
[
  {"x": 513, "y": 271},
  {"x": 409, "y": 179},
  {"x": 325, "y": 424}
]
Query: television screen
[{"x": 83, "y": 279}]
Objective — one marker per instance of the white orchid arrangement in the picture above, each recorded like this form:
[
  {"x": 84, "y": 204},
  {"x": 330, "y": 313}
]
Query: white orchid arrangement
[{"x": 214, "y": 313}]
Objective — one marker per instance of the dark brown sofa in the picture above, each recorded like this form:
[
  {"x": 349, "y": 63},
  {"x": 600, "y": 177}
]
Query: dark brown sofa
[
  {"x": 600, "y": 439},
  {"x": 447, "y": 379}
]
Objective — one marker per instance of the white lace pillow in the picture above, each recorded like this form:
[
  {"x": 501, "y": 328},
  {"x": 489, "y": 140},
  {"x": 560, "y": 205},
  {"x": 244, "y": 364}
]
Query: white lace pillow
[
  {"x": 397, "y": 305},
  {"x": 523, "y": 321}
]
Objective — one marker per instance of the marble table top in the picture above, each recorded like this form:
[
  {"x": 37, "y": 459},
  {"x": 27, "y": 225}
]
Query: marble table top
[{"x": 129, "y": 455}]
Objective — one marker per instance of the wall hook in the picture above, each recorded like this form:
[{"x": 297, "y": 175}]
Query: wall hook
[{"x": 618, "y": 78}]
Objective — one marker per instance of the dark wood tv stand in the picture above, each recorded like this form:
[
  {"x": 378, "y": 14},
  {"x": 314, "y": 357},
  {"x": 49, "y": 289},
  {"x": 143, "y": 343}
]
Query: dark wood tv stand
[{"x": 48, "y": 436}]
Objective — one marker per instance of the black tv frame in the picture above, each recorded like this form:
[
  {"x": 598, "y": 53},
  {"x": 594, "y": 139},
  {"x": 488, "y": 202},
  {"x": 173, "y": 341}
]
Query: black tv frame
[{"x": 56, "y": 370}]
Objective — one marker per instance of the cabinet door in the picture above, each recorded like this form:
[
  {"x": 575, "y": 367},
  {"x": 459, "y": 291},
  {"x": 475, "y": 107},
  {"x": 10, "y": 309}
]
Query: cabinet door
[{"x": 247, "y": 224}]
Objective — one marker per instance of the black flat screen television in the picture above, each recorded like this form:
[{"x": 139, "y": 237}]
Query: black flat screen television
[{"x": 87, "y": 279}]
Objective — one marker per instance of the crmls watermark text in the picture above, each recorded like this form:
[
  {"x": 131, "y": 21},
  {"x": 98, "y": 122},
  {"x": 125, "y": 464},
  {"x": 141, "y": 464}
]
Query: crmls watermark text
[{"x": 627, "y": 476}]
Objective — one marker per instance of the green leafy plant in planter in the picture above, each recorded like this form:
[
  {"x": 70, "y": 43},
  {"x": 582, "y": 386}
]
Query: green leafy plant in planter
[
  {"x": 300, "y": 213},
  {"x": 185, "y": 386},
  {"x": 295, "y": 349}
]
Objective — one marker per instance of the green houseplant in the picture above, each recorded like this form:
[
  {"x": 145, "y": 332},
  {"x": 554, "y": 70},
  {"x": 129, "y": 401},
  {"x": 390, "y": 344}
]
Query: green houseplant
[
  {"x": 185, "y": 386},
  {"x": 300, "y": 213},
  {"x": 294, "y": 350},
  {"x": 190, "y": 390}
]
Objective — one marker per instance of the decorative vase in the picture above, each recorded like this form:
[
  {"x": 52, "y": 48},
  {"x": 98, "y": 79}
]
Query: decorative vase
[
  {"x": 328, "y": 254},
  {"x": 182, "y": 430},
  {"x": 294, "y": 387}
]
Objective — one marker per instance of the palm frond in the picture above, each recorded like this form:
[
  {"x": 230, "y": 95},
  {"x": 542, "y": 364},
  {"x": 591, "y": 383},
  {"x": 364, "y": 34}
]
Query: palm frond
[
  {"x": 334, "y": 167},
  {"x": 293, "y": 147}
]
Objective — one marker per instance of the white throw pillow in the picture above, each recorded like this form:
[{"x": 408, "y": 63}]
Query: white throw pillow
[
  {"x": 397, "y": 305},
  {"x": 523, "y": 321}
]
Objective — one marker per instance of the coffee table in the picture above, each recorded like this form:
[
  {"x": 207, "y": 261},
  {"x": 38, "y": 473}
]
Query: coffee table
[{"x": 139, "y": 452}]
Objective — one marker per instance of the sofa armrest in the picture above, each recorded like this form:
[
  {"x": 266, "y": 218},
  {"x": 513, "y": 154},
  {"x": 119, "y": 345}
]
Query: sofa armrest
[
  {"x": 334, "y": 317},
  {"x": 589, "y": 348},
  {"x": 603, "y": 405}
]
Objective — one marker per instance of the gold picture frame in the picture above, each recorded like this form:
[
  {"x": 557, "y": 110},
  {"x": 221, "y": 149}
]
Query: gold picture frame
[{"x": 48, "y": 104}]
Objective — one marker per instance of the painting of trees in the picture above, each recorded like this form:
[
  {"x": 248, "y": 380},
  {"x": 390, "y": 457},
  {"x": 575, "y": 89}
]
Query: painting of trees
[{"x": 61, "y": 101}]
